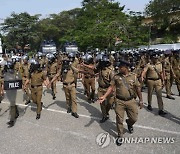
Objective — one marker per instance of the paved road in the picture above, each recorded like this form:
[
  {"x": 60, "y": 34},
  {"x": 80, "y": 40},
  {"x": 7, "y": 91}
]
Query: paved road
[{"x": 58, "y": 132}]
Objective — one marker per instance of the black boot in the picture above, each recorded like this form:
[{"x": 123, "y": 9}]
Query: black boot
[
  {"x": 170, "y": 97},
  {"x": 130, "y": 128},
  {"x": 149, "y": 107},
  {"x": 74, "y": 114},
  {"x": 162, "y": 113},
  {"x": 104, "y": 119},
  {"x": 10, "y": 123},
  {"x": 54, "y": 96},
  {"x": 119, "y": 141},
  {"x": 38, "y": 116}
]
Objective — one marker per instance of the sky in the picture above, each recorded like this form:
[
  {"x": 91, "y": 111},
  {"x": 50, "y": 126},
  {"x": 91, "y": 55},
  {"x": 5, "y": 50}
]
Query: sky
[{"x": 46, "y": 7}]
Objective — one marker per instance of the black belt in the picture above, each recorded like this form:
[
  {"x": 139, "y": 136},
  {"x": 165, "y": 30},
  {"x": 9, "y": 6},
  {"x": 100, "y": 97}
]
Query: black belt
[
  {"x": 68, "y": 83},
  {"x": 89, "y": 77},
  {"x": 104, "y": 86},
  {"x": 153, "y": 79},
  {"x": 35, "y": 86},
  {"x": 124, "y": 99}
]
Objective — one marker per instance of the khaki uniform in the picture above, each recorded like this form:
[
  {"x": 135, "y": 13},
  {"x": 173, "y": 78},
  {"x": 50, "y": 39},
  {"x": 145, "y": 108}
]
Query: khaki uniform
[
  {"x": 69, "y": 89},
  {"x": 17, "y": 67},
  {"x": 37, "y": 78},
  {"x": 89, "y": 80},
  {"x": 167, "y": 70},
  {"x": 51, "y": 72},
  {"x": 105, "y": 76},
  {"x": 125, "y": 93},
  {"x": 176, "y": 71},
  {"x": 25, "y": 74},
  {"x": 75, "y": 64},
  {"x": 154, "y": 82}
]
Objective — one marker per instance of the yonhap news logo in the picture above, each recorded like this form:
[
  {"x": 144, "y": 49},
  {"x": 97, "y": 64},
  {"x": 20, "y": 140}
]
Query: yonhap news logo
[{"x": 104, "y": 139}]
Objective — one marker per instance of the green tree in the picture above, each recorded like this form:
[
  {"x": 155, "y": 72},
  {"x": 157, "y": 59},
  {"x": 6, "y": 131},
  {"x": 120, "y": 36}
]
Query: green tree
[
  {"x": 18, "y": 29},
  {"x": 166, "y": 19}
]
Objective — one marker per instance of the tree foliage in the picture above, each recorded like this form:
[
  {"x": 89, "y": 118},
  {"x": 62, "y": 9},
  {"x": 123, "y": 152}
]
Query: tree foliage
[
  {"x": 98, "y": 24},
  {"x": 166, "y": 18}
]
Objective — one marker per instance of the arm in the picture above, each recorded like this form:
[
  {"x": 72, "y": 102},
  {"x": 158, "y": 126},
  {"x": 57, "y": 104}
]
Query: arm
[{"x": 109, "y": 91}]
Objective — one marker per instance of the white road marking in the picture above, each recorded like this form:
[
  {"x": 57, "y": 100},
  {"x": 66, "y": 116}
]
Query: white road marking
[{"x": 97, "y": 118}]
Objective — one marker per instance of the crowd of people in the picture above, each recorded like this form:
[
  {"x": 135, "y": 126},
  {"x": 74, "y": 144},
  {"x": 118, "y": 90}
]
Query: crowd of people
[{"x": 121, "y": 77}]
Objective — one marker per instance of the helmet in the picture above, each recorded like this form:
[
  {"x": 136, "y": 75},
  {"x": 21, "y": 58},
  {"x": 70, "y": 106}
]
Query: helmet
[
  {"x": 71, "y": 56},
  {"x": 88, "y": 59},
  {"x": 98, "y": 57},
  {"x": 51, "y": 58},
  {"x": 25, "y": 57},
  {"x": 34, "y": 65},
  {"x": 9, "y": 65}
]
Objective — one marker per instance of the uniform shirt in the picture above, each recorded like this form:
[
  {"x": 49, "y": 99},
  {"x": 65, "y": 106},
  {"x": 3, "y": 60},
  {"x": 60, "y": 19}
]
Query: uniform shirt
[
  {"x": 122, "y": 82},
  {"x": 166, "y": 65},
  {"x": 37, "y": 78},
  {"x": 175, "y": 64},
  {"x": 151, "y": 70},
  {"x": 25, "y": 70},
  {"x": 17, "y": 66},
  {"x": 90, "y": 72},
  {"x": 52, "y": 69},
  {"x": 105, "y": 76}
]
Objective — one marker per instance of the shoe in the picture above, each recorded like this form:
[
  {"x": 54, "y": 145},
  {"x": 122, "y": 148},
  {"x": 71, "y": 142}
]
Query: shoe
[
  {"x": 10, "y": 123},
  {"x": 38, "y": 116},
  {"x": 162, "y": 113},
  {"x": 74, "y": 114},
  {"x": 17, "y": 115},
  {"x": 130, "y": 128},
  {"x": 89, "y": 100},
  {"x": 54, "y": 96},
  {"x": 104, "y": 119},
  {"x": 172, "y": 93},
  {"x": 149, "y": 107},
  {"x": 93, "y": 100},
  {"x": 27, "y": 102},
  {"x": 118, "y": 141},
  {"x": 170, "y": 97},
  {"x": 69, "y": 110}
]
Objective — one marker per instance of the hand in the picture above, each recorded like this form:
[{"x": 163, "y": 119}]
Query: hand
[
  {"x": 142, "y": 79},
  {"x": 101, "y": 99},
  {"x": 24, "y": 87},
  {"x": 2, "y": 93},
  {"x": 49, "y": 85},
  {"x": 140, "y": 104}
]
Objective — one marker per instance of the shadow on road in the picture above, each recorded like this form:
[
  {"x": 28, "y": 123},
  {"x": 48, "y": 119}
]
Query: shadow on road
[{"x": 168, "y": 116}]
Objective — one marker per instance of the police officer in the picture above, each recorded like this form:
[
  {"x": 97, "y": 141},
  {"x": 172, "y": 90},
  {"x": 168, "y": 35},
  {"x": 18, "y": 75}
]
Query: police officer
[
  {"x": 89, "y": 77},
  {"x": 155, "y": 80},
  {"x": 75, "y": 63},
  {"x": 167, "y": 69},
  {"x": 106, "y": 73},
  {"x": 176, "y": 68},
  {"x": 36, "y": 78},
  {"x": 126, "y": 85},
  {"x": 25, "y": 72},
  {"x": 68, "y": 78},
  {"x": 51, "y": 72},
  {"x": 11, "y": 75}
]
